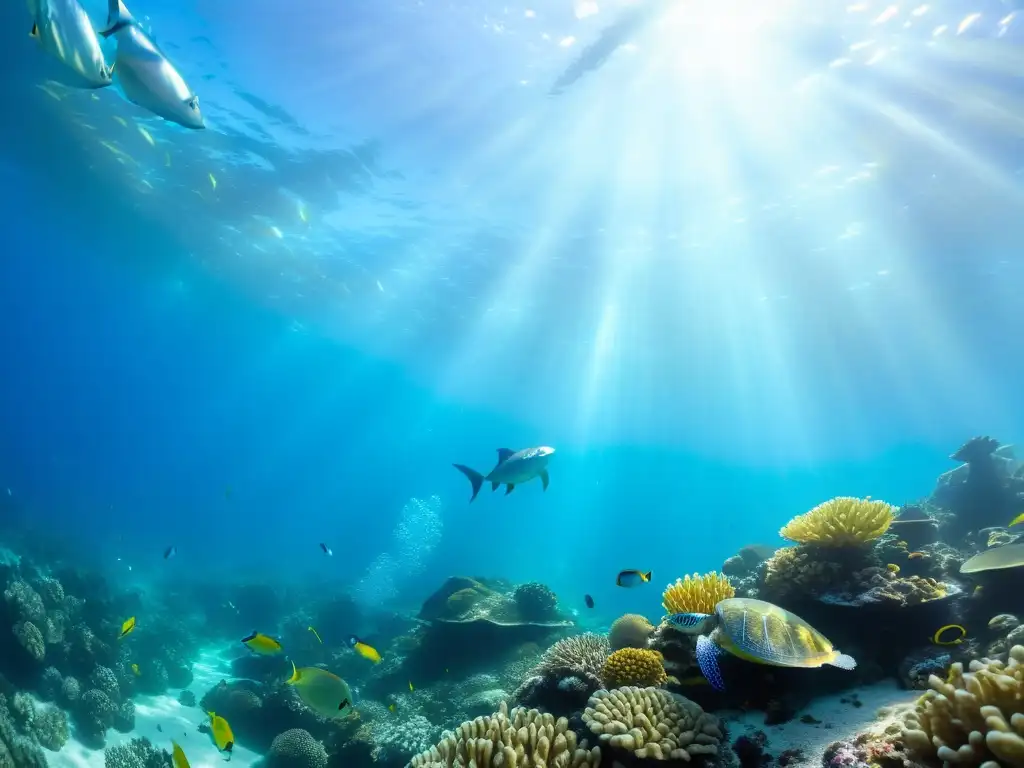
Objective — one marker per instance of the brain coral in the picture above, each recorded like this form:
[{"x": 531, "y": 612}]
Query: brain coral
[
  {"x": 296, "y": 748},
  {"x": 971, "y": 718},
  {"x": 634, "y": 666},
  {"x": 652, "y": 723},
  {"x": 523, "y": 739},
  {"x": 840, "y": 522},
  {"x": 630, "y": 631},
  {"x": 697, "y": 594}
]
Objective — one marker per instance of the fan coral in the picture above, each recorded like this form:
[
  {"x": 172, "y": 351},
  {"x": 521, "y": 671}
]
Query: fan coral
[
  {"x": 630, "y": 631},
  {"x": 971, "y": 718},
  {"x": 840, "y": 522},
  {"x": 31, "y": 639},
  {"x": 697, "y": 594},
  {"x": 535, "y": 601},
  {"x": 523, "y": 739},
  {"x": 137, "y": 753},
  {"x": 652, "y": 723},
  {"x": 296, "y": 748},
  {"x": 633, "y": 666}
]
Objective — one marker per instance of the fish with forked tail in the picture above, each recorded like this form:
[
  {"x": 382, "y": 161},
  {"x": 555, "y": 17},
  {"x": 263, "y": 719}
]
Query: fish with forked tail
[
  {"x": 62, "y": 29},
  {"x": 513, "y": 468}
]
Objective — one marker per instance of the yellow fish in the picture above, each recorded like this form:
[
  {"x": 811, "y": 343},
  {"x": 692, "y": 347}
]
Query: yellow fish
[
  {"x": 364, "y": 650},
  {"x": 135, "y": 669},
  {"x": 315, "y": 634},
  {"x": 325, "y": 693},
  {"x": 410, "y": 686},
  {"x": 262, "y": 644},
  {"x": 127, "y": 628},
  {"x": 178, "y": 756},
  {"x": 1017, "y": 520},
  {"x": 222, "y": 735},
  {"x": 392, "y": 707},
  {"x": 213, "y": 181}
]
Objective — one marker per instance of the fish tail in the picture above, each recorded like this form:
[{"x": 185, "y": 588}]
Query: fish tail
[
  {"x": 118, "y": 17},
  {"x": 295, "y": 676},
  {"x": 647, "y": 576},
  {"x": 475, "y": 478}
]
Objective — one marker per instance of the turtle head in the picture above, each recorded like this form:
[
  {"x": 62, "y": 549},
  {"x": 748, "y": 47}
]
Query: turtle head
[{"x": 693, "y": 623}]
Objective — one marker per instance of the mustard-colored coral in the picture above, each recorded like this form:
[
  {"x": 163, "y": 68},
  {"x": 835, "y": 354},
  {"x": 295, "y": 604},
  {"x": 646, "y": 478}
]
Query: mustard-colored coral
[
  {"x": 697, "y": 594},
  {"x": 630, "y": 631},
  {"x": 840, "y": 522},
  {"x": 634, "y": 666},
  {"x": 972, "y": 718},
  {"x": 652, "y": 724},
  {"x": 460, "y": 602},
  {"x": 524, "y": 738}
]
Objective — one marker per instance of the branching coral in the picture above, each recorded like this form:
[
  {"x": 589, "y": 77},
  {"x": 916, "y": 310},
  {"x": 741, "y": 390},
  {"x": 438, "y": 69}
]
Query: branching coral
[
  {"x": 652, "y": 723},
  {"x": 634, "y": 666},
  {"x": 630, "y": 631},
  {"x": 840, "y": 522},
  {"x": 523, "y": 739},
  {"x": 296, "y": 748},
  {"x": 697, "y": 594},
  {"x": 972, "y": 718}
]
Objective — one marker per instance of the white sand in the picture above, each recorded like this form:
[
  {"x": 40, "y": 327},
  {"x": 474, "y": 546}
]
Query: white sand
[
  {"x": 839, "y": 721},
  {"x": 178, "y": 723}
]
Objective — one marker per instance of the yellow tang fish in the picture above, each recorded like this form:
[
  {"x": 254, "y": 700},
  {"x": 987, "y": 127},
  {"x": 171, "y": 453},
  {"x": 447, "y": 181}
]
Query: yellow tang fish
[
  {"x": 127, "y": 628},
  {"x": 1017, "y": 520},
  {"x": 178, "y": 756},
  {"x": 222, "y": 735},
  {"x": 410, "y": 686},
  {"x": 392, "y": 707},
  {"x": 262, "y": 644},
  {"x": 325, "y": 693},
  {"x": 364, "y": 650},
  {"x": 317, "y": 636},
  {"x": 135, "y": 669}
]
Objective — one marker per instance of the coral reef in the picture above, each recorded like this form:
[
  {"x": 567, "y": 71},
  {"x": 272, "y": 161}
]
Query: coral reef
[
  {"x": 840, "y": 522},
  {"x": 524, "y": 738},
  {"x": 296, "y": 748},
  {"x": 652, "y": 723},
  {"x": 634, "y": 667},
  {"x": 568, "y": 672},
  {"x": 137, "y": 753},
  {"x": 986, "y": 490},
  {"x": 630, "y": 631},
  {"x": 536, "y": 602},
  {"x": 697, "y": 594},
  {"x": 398, "y": 742}
]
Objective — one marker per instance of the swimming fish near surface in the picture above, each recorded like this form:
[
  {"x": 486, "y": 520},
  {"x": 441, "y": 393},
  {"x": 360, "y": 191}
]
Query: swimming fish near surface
[
  {"x": 262, "y": 644},
  {"x": 170, "y": 552},
  {"x": 632, "y": 578},
  {"x": 62, "y": 29},
  {"x": 327, "y": 550},
  {"x": 513, "y": 468},
  {"x": 127, "y": 628},
  {"x": 178, "y": 756},
  {"x": 589, "y": 601},
  {"x": 323, "y": 692},
  {"x": 221, "y": 731},
  {"x": 146, "y": 75},
  {"x": 365, "y": 650}
]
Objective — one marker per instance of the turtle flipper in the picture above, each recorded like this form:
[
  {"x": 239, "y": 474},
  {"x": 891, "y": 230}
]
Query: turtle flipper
[{"x": 707, "y": 660}]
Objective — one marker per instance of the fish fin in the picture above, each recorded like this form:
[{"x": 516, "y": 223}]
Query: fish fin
[
  {"x": 511, "y": 487},
  {"x": 475, "y": 478},
  {"x": 544, "y": 478},
  {"x": 707, "y": 660},
  {"x": 503, "y": 454},
  {"x": 647, "y": 576},
  {"x": 843, "y": 661},
  {"x": 344, "y": 703},
  {"x": 494, "y": 485},
  {"x": 35, "y": 33},
  {"x": 295, "y": 676},
  {"x": 251, "y": 637},
  {"x": 118, "y": 17}
]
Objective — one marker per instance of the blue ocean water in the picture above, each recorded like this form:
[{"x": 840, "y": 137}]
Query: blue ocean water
[{"x": 723, "y": 292}]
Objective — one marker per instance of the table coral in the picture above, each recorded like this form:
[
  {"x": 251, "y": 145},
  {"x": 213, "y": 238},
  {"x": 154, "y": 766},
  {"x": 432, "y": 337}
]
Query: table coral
[
  {"x": 634, "y": 666},
  {"x": 652, "y": 723},
  {"x": 971, "y": 718},
  {"x": 840, "y": 522},
  {"x": 697, "y": 594}
]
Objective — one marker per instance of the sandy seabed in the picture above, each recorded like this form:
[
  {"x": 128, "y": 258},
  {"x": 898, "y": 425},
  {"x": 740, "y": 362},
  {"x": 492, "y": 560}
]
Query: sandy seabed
[{"x": 176, "y": 722}]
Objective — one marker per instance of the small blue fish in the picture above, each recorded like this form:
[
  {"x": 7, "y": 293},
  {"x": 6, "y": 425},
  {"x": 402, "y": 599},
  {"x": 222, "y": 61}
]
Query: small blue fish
[
  {"x": 326, "y": 550},
  {"x": 170, "y": 552},
  {"x": 589, "y": 601},
  {"x": 688, "y": 621},
  {"x": 632, "y": 578}
]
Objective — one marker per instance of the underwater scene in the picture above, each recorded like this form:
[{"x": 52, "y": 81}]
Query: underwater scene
[{"x": 545, "y": 384}]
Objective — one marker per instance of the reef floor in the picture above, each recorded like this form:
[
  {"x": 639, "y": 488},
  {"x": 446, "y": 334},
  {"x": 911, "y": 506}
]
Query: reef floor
[
  {"x": 177, "y": 722},
  {"x": 832, "y": 718}
]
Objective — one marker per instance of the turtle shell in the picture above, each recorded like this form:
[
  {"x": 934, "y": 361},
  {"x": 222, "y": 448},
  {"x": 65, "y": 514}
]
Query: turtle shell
[{"x": 764, "y": 633}]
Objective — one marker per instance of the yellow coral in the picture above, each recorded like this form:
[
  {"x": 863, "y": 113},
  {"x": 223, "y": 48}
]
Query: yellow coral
[
  {"x": 460, "y": 602},
  {"x": 697, "y": 594},
  {"x": 630, "y": 631},
  {"x": 840, "y": 522},
  {"x": 634, "y": 666},
  {"x": 973, "y": 718}
]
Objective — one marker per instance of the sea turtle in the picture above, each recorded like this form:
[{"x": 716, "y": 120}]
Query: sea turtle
[{"x": 756, "y": 631}]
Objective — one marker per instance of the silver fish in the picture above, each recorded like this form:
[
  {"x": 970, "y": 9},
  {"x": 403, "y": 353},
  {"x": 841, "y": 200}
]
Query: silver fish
[
  {"x": 514, "y": 468},
  {"x": 146, "y": 75},
  {"x": 63, "y": 30}
]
